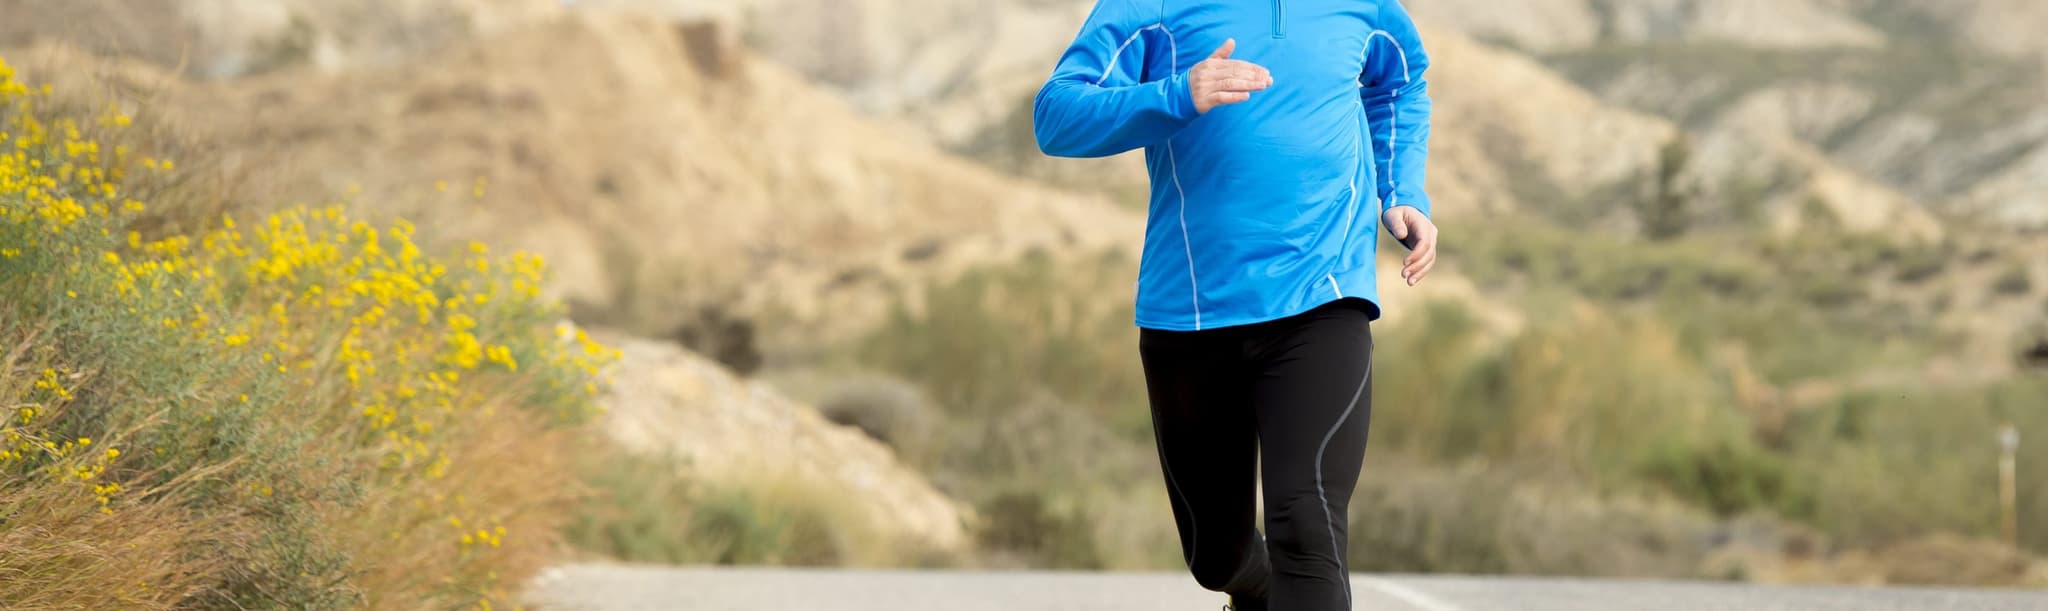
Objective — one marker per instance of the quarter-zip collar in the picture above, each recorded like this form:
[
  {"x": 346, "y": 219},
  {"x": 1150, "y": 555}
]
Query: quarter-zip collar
[{"x": 1279, "y": 18}]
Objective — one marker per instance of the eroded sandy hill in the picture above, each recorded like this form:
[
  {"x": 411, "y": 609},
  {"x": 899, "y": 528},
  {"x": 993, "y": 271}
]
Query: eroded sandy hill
[
  {"x": 670, "y": 401},
  {"x": 658, "y": 166},
  {"x": 1511, "y": 133},
  {"x": 1937, "y": 99},
  {"x": 1556, "y": 24},
  {"x": 232, "y": 38}
]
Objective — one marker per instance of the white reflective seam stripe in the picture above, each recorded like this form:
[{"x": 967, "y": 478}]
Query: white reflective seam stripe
[
  {"x": 1358, "y": 143},
  {"x": 1173, "y": 164},
  {"x": 1194, "y": 290},
  {"x": 1329, "y": 517},
  {"x": 1187, "y": 243},
  {"x": 1397, "y": 49},
  {"x": 1106, "y": 70},
  {"x": 1351, "y": 207},
  {"x": 1393, "y": 114},
  {"x": 1393, "y": 134},
  {"x": 1333, "y": 283}
]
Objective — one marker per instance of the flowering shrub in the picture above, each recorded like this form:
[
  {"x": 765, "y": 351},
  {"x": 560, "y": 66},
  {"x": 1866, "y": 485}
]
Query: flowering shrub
[{"x": 298, "y": 409}]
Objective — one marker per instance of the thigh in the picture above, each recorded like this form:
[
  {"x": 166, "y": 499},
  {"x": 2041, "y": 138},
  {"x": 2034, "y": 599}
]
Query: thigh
[
  {"x": 1199, "y": 385},
  {"x": 1314, "y": 398},
  {"x": 1314, "y": 402},
  {"x": 1200, "y": 390}
]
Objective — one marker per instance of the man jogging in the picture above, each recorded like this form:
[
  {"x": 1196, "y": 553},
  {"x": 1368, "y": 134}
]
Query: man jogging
[{"x": 1280, "y": 135}]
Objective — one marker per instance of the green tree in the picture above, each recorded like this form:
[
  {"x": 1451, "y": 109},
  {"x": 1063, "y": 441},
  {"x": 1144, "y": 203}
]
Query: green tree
[{"x": 1666, "y": 211}]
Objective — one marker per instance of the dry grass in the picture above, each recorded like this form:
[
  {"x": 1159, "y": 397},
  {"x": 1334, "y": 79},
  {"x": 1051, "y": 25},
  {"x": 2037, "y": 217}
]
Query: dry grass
[
  {"x": 651, "y": 509},
  {"x": 58, "y": 550},
  {"x": 300, "y": 410},
  {"x": 512, "y": 471}
]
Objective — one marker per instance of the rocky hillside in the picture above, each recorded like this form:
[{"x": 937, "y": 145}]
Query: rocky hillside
[
  {"x": 1565, "y": 24},
  {"x": 661, "y": 169},
  {"x": 1844, "y": 97},
  {"x": 1880, "y": 86},
  {"x": 1794, "y": 112},
  {"x": 1511, "y": 133},
  {"x": 968, "y": 79},
  {"x": 735, "y": 432},
  {"x": 2003, "y": 27},
  {"x": 219, "y": 39}
]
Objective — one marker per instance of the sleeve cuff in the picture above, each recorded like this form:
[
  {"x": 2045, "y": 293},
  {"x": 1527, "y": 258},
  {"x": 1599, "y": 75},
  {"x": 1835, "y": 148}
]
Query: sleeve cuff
[
  {"x": 1419, "y": 204},
  {"x": 1180, "y": 101}
]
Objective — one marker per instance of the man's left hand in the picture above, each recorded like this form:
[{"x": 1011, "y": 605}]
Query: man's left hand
[{"x": 1416, "y": 232}]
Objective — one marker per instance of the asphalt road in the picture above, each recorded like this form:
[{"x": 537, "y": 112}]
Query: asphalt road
[{"x": 599, "y": 587}]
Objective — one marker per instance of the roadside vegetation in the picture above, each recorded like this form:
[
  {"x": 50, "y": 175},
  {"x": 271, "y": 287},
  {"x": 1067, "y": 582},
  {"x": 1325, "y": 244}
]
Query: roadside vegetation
[
  {"x": 209, "y": 408},
  {"x": 1662, "y": 402},
  {"x": 648, "y": 509}
]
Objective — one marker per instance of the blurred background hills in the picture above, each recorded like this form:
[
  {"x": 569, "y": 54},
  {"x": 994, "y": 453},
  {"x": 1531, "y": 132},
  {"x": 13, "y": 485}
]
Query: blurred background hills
[{"x": 1733, "y": 288}]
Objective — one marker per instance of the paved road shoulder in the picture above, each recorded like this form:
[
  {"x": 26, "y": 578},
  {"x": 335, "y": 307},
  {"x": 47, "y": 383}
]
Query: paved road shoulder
[{"x": 602, "y": 587}]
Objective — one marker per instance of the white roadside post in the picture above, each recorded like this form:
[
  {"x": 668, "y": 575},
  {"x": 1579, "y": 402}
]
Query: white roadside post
[{"x": 2008, "y": 482}]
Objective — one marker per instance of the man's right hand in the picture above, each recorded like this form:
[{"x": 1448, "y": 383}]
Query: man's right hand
[{"x": 1221, "y": 80}]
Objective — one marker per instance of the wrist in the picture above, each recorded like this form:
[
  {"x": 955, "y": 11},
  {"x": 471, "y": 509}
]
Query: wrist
[
  {"x": 1421, "y": 208},
  {"x": 1180, "y": 96}
]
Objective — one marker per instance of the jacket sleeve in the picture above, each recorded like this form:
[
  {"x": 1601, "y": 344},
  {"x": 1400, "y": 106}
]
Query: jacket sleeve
[
  {"x": 1397, "y": 107},
  {"x": 1099, "y": 101}
]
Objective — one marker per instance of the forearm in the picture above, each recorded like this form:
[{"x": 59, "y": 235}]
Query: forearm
[
  {"x": 1075, "y": 118},
  {"x": 1400, "y": 122}
]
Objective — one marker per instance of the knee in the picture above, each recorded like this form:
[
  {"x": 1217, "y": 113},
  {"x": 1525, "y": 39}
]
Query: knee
[
  {"x": 1243, "y": 571},
  {"x": 1212, "y": 578},
  {"x": 1302, "y": 523},
  {"x": 1216, "y": 575}
]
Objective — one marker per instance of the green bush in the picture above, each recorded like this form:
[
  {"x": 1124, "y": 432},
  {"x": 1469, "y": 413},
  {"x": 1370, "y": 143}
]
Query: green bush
[
  {"x": 1002, "y": 336},
  {"x": 739, "y": 527},
  {"x": 1917, "y": 265},
  {"x": 636, "y": 511},
  {"x": 650, "y": 509},
  {"x": 1605, "y": 267},
  {"x": 1595, "y": 392},
  {"x": 1025, "y": 524},
  {"x": 890, "y": 410},
  {"x": 1034, "y": 381},
  {"x": 1727, "y": 478},
  {"x": 1484, "y": 517},
  {"x": 1668, "y": 209},
  {"x": 2015, "y": 280},
  {"x": 1833, "y": 291},
  {"x": 1886, "y": 466}
]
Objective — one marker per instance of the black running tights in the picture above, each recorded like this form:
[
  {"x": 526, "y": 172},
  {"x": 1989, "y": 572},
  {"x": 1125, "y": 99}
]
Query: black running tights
[{"x": 1285, "y": 401}]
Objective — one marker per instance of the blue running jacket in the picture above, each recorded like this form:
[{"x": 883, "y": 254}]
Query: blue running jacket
[{"x": 1266, "y": 208}]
